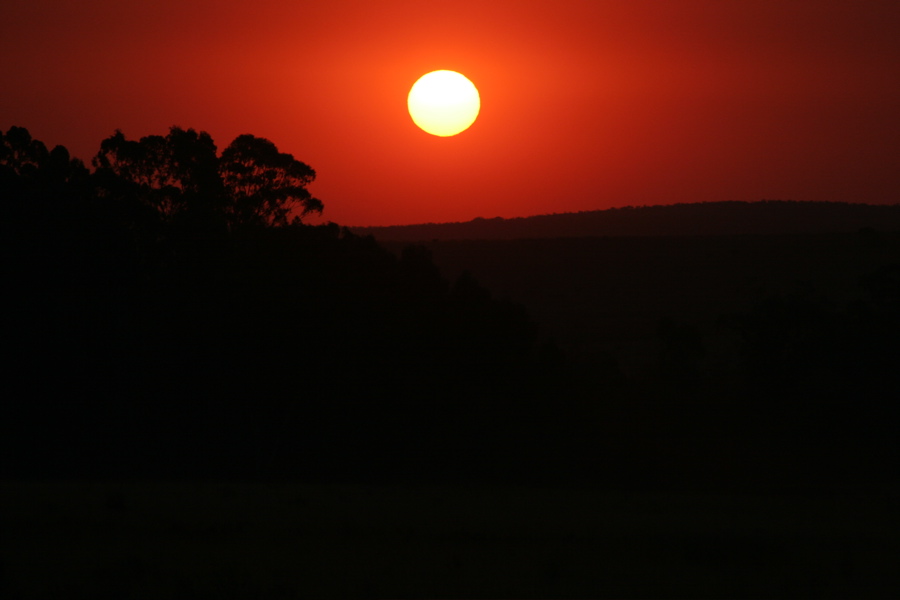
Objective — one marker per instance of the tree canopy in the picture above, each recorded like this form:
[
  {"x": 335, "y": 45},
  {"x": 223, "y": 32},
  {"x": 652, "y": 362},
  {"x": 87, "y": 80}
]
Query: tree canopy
[
  {"x": 250, "y": 184},
  {"x": 264, "y": 185}
]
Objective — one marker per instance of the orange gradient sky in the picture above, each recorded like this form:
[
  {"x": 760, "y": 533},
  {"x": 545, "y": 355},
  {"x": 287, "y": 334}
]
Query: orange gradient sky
[{"x": 585, "y": 105}]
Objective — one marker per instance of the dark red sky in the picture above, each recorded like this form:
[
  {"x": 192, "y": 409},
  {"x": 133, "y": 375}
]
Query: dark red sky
[{"x": 585, "y": 105}]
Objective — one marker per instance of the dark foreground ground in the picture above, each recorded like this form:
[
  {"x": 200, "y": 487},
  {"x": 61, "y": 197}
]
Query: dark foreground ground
[{"x": 231, "y": 540}]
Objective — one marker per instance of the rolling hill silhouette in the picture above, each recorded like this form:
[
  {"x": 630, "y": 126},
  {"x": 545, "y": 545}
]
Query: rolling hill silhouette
[{"x": 708, "y": 218}]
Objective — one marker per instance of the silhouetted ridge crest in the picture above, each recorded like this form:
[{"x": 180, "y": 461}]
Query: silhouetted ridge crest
[{"x": 706, "y": 218}]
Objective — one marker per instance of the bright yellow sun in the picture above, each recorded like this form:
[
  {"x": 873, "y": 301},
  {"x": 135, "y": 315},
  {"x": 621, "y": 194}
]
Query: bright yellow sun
[{"x": 443, "y": 103}]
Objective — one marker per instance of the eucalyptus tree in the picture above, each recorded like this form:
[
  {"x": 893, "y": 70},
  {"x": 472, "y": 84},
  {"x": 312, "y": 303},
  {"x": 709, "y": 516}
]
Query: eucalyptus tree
[
  {"x": 251, "y": 184},
  {"x": 265, "y": 186},
  {"x": 171, "y": 174}
]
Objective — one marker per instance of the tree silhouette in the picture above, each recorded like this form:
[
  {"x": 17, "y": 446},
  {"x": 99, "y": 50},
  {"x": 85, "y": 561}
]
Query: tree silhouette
[
  {"x": 38, "y": 184},
  {"x": 169, "y": 173},
  {"x": 264, "y": 185},
  {"x": 251, "y": 184},
  {"x": 20, "y": 155}
]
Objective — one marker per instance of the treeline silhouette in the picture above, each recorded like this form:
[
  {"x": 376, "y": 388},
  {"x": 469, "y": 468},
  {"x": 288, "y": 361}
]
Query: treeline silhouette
[
  {"x": 166, "y": 315},
  {"x": 163, "y": 315},
  {"x": 765, "y": 217}
]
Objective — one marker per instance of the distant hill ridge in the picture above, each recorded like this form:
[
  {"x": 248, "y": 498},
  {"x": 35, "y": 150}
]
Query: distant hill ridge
[{"x": 707, "y": 218}]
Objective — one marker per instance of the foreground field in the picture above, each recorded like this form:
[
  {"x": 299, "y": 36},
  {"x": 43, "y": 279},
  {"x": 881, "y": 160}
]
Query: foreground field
[{"x": 229, "y": 540}]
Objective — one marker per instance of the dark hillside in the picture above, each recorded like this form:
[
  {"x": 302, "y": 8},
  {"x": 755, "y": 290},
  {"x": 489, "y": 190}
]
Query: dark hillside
[
  {"x": 750, "y": 361},
  {"x": 204, "y": 400},
  {"x": 607, "y": 295},
  {"x": 713, "y": 218},
  {"x": 190, "y": 331}
]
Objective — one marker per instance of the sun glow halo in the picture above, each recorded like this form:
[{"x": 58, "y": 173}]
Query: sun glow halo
[{"x": 443, "y": 103}]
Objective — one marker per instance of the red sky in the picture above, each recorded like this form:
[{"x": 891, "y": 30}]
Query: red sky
[{"x": 585, "y": 105}]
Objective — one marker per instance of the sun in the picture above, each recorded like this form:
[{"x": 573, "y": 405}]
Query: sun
[{"x": 443, "y": 103}]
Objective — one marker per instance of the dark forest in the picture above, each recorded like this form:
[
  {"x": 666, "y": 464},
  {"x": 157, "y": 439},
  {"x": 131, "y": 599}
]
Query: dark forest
[
  {"x": 168, "y": 321},
  {"x": 169, "y": 317}
]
